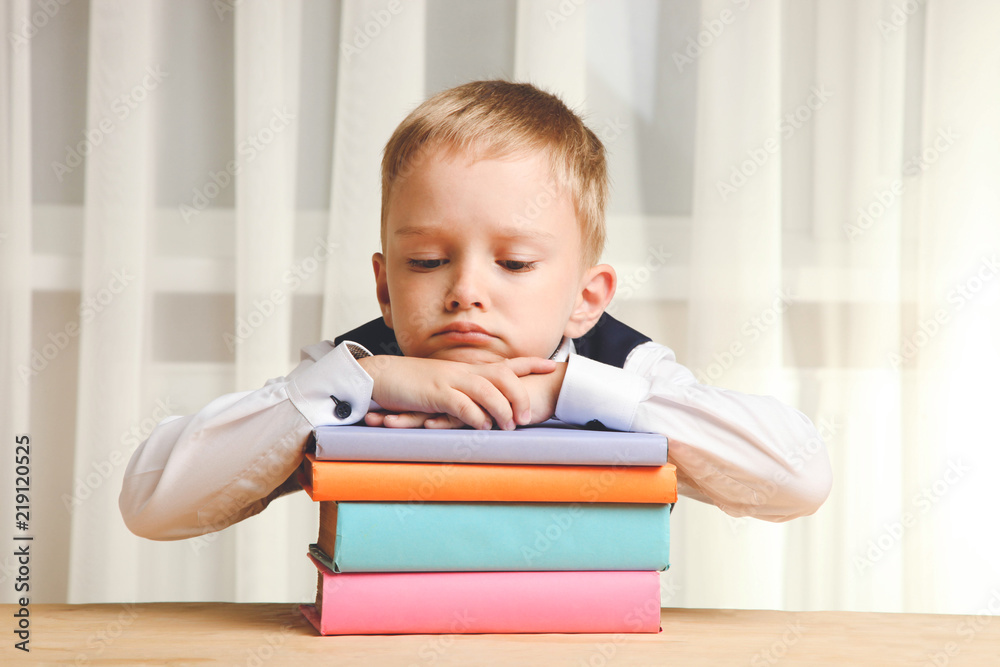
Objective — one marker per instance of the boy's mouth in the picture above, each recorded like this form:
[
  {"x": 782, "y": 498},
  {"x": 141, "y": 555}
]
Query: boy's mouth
[{"x": 465, "y": 332}]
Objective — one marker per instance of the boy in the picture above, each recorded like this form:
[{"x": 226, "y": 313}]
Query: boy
[{"x": 492, "y": 299}]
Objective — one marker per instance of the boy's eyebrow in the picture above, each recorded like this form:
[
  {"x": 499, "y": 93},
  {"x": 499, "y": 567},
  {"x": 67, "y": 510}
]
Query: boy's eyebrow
[
  {"x": 414, "y": 231},
  {"x": 509, "y": 233}
]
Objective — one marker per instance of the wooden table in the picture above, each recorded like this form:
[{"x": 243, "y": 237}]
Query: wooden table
[{"x": 276, "y": 634}]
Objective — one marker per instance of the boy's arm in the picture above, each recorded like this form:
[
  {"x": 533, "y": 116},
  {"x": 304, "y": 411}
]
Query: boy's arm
[
  {"x": 203, "y": 472},
  {"x": 749, "y": 455},
  {"x": 206, "y": 471}
]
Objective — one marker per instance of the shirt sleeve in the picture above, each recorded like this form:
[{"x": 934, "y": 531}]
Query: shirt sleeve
[
  {"x": 206, "y": 471},
  {"x": 749, "y": 455}
]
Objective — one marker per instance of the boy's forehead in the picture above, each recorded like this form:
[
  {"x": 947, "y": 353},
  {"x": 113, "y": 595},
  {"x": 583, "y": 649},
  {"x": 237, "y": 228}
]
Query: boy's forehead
[
  {"x": 531, "y": 205},
  {"x": 478, "y": 177},
  {"x": 470, "y": 155}
]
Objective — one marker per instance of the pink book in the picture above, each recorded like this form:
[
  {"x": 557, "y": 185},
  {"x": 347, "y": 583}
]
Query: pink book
[{"x": 484, "y": 602}]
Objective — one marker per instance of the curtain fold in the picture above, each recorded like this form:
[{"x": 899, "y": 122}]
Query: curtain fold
[
  {"x": 735, "y": 275},
  {"x": 123, "y": 76},
  {"x": 951, "y": 345},
  {"x": 15, "y": 240},
  {"x": 857, "y": 221},
  {"x": 267, "y": 65}
]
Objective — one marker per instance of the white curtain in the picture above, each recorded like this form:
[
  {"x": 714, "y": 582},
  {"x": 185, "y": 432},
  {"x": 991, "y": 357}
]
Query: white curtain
[
  {"x": 15, "y": 256},
  {"x": 806, "y": 203}
]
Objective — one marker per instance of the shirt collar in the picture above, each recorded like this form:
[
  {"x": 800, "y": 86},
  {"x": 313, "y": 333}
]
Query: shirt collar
[{"x": 565, "y": 349}]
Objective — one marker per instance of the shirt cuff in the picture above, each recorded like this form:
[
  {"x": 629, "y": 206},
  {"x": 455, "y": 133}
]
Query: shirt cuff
[
  {"x": 335, "y": 389},
  {"x": 592, "y": 390}
]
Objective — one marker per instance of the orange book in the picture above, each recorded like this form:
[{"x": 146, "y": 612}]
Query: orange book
[{"x": 471, "y": 482}]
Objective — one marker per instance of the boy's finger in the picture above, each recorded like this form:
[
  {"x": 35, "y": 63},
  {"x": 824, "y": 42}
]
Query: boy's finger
[
  {"x": 375, "y": 418},
  {"x": 487, "y": 390},
  {"x": 514, "y": 393},
  {"x": 443, "y": 421},
  {"x": 528, "y": 365},
  {"x": 469, "y": 410},
  {"x": 406, "y": 420}
]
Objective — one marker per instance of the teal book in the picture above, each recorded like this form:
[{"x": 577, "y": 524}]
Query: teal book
[{"x": 492, "y": 537}]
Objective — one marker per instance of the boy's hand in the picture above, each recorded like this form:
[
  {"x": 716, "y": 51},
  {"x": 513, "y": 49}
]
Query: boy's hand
[
  {"x": 543, "y": 392},
  {"x": 473, "y": 394}
]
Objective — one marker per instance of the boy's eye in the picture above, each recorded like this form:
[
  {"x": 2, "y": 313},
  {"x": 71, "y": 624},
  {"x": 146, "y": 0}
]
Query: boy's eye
[
  {"x": 425, "y": 263},
  {"x": 516, "y": 265}
]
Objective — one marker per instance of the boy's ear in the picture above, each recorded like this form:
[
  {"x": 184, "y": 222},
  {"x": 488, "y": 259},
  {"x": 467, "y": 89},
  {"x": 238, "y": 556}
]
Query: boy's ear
[
  {"x": 382, "y": 287},
  {"x": 597, "y": 286}
]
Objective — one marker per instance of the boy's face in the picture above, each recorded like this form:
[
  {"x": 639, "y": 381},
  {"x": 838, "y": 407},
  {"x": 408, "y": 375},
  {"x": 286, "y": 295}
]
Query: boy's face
[{"x": 483, "y": 260}]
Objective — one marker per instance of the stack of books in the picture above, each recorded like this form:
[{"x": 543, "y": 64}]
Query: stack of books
[{"x": 548, "y": 528}]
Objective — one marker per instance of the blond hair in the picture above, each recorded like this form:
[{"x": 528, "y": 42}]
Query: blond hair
[{"x": 492, "y": 119}]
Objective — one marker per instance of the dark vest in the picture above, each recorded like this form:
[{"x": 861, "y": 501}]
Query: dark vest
[{"x": 609, "y": 341}]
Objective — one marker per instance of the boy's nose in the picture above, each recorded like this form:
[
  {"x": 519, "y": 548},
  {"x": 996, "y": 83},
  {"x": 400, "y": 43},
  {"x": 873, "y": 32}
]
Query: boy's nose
[
  {"x": 466, "y": 292},
  {"x": 457, "y": 304}
]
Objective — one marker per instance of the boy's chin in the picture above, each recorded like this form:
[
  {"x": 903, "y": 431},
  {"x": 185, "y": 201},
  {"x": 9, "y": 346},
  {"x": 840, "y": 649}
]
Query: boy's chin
[{"x": 469, "y": 355}]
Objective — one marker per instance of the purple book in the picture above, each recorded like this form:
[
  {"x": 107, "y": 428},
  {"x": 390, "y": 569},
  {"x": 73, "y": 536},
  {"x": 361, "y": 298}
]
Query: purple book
[{"x": 549, "y": 443}]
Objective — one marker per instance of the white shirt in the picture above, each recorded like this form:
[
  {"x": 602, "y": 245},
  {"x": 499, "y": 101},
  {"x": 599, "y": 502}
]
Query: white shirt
[{"x": 749, "y": 455}]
